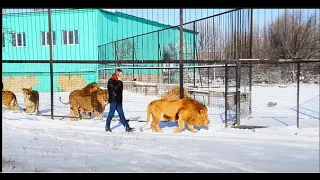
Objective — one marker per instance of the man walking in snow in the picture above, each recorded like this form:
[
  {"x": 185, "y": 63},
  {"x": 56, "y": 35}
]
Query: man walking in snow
[{"x": 115, "y": 89}]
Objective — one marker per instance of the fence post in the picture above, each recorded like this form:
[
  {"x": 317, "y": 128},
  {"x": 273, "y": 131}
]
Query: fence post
[
  {"x": 181, "y": 53},
  {"x": 250, "y": 88},
  {"x": 159, "y": 57},
  {"x": 250, "y": 56},
  {"x": 133, "y": 49},
  {"x": 251, "y": 34},
  {"x": 298, "y": 92},
  {"x": 194, "y": 54},
  {"x": 98, "y": 52},
  {"x": 226, "y": 93},
  {"x": 51, "y": 64},
  {"x": 238, "y": 71},
  {"x": 115, "y": 55}
]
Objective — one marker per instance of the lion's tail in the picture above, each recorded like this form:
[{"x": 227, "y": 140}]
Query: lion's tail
[
  {"x": 148, "y": 118},
  {"x": 63, "y": 102},
  {"x": 16, "y": 105}
]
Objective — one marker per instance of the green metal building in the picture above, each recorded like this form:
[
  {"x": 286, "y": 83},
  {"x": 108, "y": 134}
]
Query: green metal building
[{"x": 78, "y": 34}]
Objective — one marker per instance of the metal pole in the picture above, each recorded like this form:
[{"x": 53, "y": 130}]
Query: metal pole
[
  {"x": 99, "y": 52},
  {"x": 250, "y": 87},
  {"x": 251, "y": 34},
  {"x": 115, "y": 54},
  {"x": 105, "y": 72},
  {"x": 158, "y": 57},
  {"x": 194, "y": 54},
  {"x": 298, "y": 92},
  {"x": 133, "y": 58},
  {"x": 208, "y": 76},
  {"x": 181, "y": 53},
  {"x": 51, "y": 64},
  {"x": 226, "y": 94},
  {"x": 238, "y": 70}
]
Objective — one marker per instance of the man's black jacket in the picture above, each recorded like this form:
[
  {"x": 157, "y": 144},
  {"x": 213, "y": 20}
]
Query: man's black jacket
[{"x": 115, "y": 88}]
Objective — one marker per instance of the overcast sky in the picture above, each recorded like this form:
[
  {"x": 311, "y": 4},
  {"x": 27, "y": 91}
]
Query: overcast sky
[{"x": 171, "y": 16}]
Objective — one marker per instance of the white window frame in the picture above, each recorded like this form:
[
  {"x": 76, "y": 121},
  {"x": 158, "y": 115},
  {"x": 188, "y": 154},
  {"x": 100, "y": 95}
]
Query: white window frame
[
  {"x": 22, "y": 40},
  {"x": 74, "y": 39},
  {"x": 46, "y": 33}
]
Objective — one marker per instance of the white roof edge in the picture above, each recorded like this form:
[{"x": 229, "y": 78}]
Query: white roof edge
[{"x": 110, "y": 10}]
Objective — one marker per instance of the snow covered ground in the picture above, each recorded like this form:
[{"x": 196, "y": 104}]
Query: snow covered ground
[
  {"x": 285, "y": 113},
  {"x": 37, "y": 143}
]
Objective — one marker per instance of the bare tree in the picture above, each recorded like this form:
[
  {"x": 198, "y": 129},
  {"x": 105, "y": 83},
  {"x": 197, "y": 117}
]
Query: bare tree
[
  {"x": 290, "y": 36},
  {"x": 209, "y": 46},
  {"x": 6, "y": 31},
  {"x": 237, "y": 46},
  {"x": 124, "y": 51}
]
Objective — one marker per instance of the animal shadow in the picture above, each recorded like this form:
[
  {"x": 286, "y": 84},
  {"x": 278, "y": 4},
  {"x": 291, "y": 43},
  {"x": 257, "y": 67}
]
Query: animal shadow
[
  {"x": 118, "y": 125},
  {"x": 44, "y": 111},
  {"x": 19, "y": 119},
  {"x": 199, "y": 128},
  {"x": 163, "y": 124},
  {"x": 105, "y": 114},
  {"x": 135, "y": 119}
]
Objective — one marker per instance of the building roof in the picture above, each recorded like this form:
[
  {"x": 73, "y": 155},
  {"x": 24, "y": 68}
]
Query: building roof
[
  {"x": 147, "y": 21},
  {"x": 114, "y": 13}
]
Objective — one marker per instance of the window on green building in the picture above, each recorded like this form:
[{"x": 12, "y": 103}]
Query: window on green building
[
  {"x": 18, "y": 40},
  {"x": 45, "y": 40},
  {"x": 70, "y": 37}
]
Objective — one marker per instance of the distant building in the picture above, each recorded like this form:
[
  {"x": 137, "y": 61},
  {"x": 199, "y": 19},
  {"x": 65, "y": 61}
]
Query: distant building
[{"x": 77, "y": 35}]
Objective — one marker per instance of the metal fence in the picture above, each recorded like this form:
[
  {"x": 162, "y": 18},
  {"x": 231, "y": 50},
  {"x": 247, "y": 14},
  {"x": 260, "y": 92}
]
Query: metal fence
[
  {"x": 284, "y": 93},
  {"x": 249, "y": 67},
  {"x": 213, "y": 84}
]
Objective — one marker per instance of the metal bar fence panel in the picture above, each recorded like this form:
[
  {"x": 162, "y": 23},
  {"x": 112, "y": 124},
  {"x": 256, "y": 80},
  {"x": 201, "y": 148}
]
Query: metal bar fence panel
[
  {"x": 309, "y": 92},
  {"x": 238, "y": 78},
  {"x": 51, "y": 64},
  {"x": 85, "y": 46},
  {"x": 181, "y": 54}
]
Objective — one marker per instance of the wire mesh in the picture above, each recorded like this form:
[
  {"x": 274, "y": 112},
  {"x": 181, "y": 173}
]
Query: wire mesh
[
  {"x": 309, "y": 100},
  {"x": 88, "y": 44}
]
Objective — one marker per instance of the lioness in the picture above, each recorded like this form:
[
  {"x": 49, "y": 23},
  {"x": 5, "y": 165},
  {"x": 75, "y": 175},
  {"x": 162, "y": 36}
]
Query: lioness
[
  {"x": 9, "y": 99},
  {"x": 187, "y": 111},
  {"x": 76, "y": 98},
  {"x": 31, "y": 100},
  {"x": 96, "y": 103}
]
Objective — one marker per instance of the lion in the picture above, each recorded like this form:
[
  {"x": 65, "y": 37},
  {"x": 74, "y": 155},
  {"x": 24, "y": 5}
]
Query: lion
[
  {"x": 76, "y": 98},
  {"x": 174, "y": 93},
  {"x": 31, "y": 100},
  {"x": 96, "y": 103},
  {"x": 186, "y": 110},
  {"x": 9, "y": 99}
]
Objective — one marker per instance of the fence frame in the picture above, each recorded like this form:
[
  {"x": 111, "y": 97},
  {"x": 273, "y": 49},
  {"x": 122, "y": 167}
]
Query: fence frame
[{"x": 237, "y": 61}]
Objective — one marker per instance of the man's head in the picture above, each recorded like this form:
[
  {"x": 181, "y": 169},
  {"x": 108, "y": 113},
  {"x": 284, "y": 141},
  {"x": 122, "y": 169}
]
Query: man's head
[{"x": 119, "y": 72}]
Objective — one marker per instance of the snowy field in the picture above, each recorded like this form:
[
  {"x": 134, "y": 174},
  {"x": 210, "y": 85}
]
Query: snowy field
[
  {"x": 37, "y": 143},
  {"x": 285, "y": 113}
]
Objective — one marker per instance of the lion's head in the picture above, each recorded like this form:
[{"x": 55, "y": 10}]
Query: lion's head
[
  {"x": 198, "y": 113},
  {"x": 103, "y": 96},
  {"x": 27, "y": 92},
  {"x": 203, "y": 119}
]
